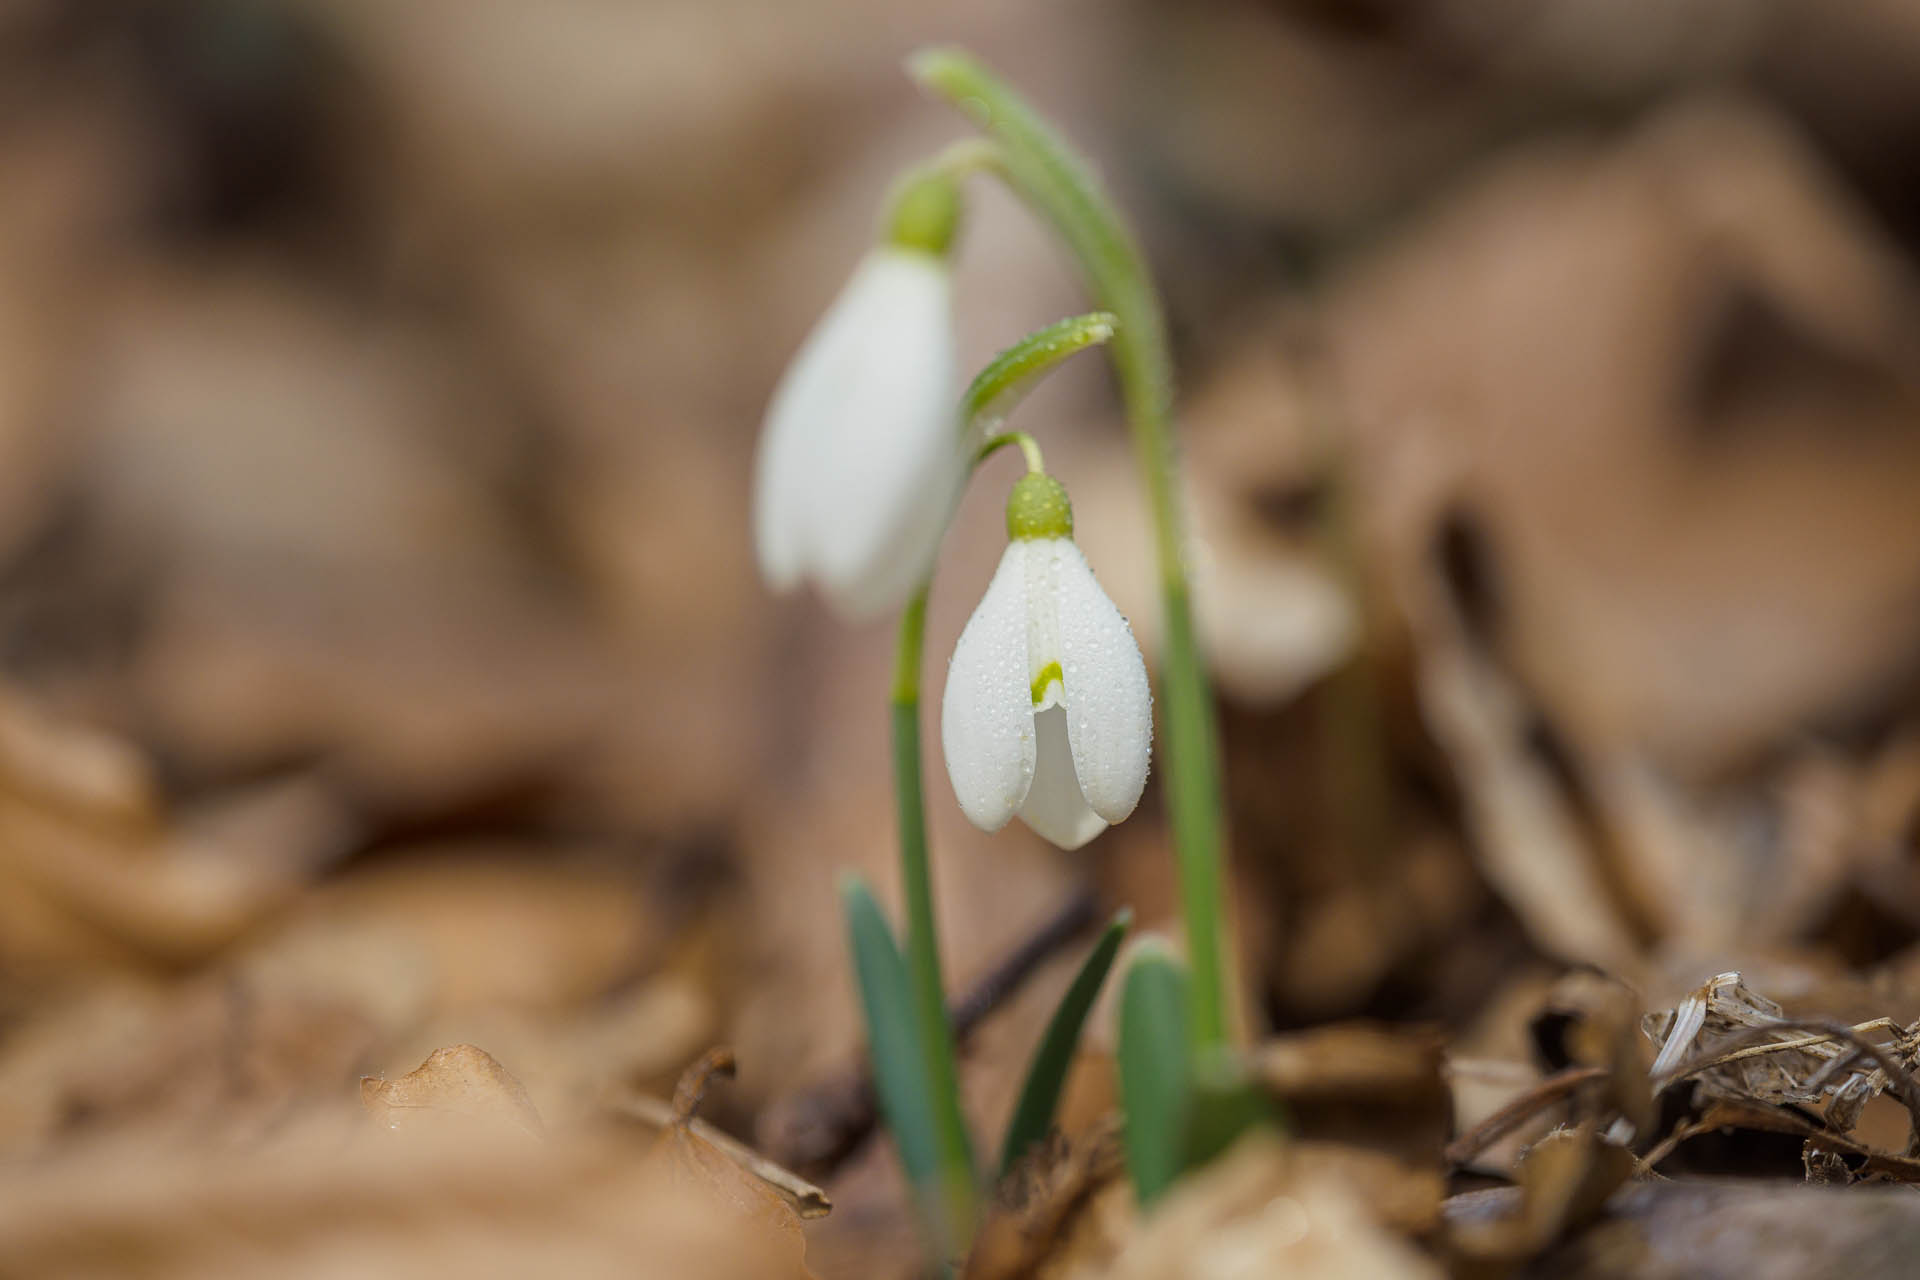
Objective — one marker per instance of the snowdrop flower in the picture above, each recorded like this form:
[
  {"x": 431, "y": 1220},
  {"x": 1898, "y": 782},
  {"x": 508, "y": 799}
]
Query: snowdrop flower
[
  {"x": 1047, "y": 712},
  {"x": 861, "y": 458}
]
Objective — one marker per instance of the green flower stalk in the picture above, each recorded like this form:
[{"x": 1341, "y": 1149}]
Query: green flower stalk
[{"x": 1046, "y": 173}]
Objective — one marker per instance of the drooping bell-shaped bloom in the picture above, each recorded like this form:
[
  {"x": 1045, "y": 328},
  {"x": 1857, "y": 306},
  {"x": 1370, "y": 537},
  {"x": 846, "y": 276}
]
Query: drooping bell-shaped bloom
[
  {"x": 861, "y": 459},
  {"x": 1047, "y": 712}
]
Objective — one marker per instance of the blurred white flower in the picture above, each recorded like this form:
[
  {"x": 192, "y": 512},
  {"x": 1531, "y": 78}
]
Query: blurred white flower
[
  {"x": 861, "y": 459},
  {"x": 1047, "y": 712}
]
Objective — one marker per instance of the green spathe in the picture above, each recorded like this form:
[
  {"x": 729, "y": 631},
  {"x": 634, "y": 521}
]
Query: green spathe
[{"x": 1038, "y": 508}]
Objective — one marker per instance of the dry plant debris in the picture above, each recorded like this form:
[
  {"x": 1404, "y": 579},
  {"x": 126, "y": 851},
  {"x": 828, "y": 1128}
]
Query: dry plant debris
[{"x": 1748, "y": 1063}]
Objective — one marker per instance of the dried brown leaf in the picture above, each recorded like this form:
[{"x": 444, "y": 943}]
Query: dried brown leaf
[
  {"x": 1564, "y": 1180},
  {"x": 460, "y": 1085},
  {"x": 1365, "y": 1084}
]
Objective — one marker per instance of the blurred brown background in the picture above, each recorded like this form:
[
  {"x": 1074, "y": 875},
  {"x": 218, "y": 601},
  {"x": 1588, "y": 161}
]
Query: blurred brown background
[{"x": 385, "y": 668}]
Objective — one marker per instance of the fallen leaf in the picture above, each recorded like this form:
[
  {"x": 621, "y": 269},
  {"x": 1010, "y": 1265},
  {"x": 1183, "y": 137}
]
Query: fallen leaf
[
  {"x": 1371, "y": 1086},
  {"x": 460, "y": 1085}
]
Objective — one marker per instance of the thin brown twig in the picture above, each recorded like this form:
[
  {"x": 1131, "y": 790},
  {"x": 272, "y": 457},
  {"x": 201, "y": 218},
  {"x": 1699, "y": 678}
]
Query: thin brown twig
[
  {"x": 691, "y": 1090},
  {"x": 1665, "y": 1147},
  {"x": 1777, "y": 1046},
  {"x": 808, "y": 1200},
  {"x": 1517, "y": 1111}
]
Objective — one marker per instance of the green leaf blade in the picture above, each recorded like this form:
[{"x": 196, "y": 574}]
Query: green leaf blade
[
  {"x": 1053, "y": 1057},
  {"x": 1155, "y": 1069},
  {"x": 899, "y": 1068}
]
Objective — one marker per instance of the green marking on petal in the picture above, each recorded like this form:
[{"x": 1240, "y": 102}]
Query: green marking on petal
[{"x": 1048, "y": 674}]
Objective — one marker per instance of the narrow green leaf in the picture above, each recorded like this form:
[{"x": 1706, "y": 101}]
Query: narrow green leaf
[
  {"x": 899, "y": 1069},
  {"x": 1155, "y": 1078},
  {"x": 1047, "y": 1075}
]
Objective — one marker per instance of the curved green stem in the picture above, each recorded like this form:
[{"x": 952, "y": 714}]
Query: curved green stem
[
  {"x": 1046, "y": 173},
  {"x": 1029, "y": 449},
  {"x": 957, "y": 1189}
]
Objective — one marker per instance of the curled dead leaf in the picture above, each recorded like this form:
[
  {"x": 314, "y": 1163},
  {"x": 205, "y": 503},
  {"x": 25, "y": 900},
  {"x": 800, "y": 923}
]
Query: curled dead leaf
[{"x": 455, "y": 1087}]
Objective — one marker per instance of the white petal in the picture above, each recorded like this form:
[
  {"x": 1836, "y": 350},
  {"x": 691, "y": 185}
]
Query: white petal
[
  {"x": 781, "y": 471},
  {"x": 803, "y": 413},
  {"x": 887, "y": 473},
  {"x": 986, "y": 713},
  {"x": 1055, "y": 808},
  {"x": 1108, "y": 701}
]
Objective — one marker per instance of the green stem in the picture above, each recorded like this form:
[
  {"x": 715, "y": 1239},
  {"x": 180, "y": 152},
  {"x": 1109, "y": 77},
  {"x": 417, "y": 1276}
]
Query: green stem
[
  {"x": 958, "y": 1195},
  {"x": 1046, "y": 173},
  {"x": 1029, "y": 449}
]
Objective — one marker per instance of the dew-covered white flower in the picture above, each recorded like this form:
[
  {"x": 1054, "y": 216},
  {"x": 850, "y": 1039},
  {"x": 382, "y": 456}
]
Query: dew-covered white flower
[
  {"x": 861, "y": 458},
  {"x": 1047, "y": 712}
]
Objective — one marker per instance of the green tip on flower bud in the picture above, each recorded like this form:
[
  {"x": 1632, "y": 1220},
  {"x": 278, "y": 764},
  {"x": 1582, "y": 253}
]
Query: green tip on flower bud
[
  {"x": 1038, "y": 508},
  {"x": 924, "y": 213}
]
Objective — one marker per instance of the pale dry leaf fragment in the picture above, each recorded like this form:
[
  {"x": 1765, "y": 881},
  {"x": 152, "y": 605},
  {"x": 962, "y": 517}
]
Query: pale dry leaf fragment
[
  {"x": 702, "y": 1168},
  {"x": 460, "y": 1086},
  {"x": 1259, "y": 1211}
]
